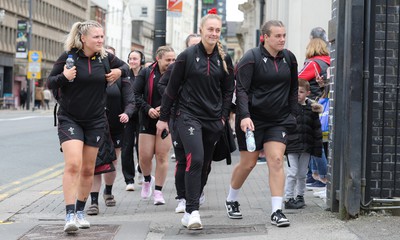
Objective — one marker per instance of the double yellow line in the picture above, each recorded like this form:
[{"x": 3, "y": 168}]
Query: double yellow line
[{"x": 12, "y": 188}]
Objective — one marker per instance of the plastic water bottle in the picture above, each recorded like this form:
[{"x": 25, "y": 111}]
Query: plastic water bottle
[
  {"x": 250, "y": 141},
  {"x": 70, "y": 63}
]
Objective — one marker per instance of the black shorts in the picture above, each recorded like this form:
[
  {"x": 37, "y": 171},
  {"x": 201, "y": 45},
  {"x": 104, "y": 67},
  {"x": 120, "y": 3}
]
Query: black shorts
[
  {"x": 266, "y": 132},
  {"x": 148, "y": 126},
  {"x": 90, "y": 132},
  {"x": 117, "y": 139}
]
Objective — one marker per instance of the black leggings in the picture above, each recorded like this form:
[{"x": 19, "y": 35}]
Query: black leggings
[{"x": 198, "y": 139}]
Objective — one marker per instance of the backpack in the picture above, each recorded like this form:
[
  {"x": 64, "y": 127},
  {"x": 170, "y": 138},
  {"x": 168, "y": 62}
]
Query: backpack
[{"x": 56, "y": 91}]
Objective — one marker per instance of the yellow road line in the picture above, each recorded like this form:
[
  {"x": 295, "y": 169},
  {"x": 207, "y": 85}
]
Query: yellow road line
[
  {"x": 33, "y": 176},
  {"x": 30, "y": 184}
]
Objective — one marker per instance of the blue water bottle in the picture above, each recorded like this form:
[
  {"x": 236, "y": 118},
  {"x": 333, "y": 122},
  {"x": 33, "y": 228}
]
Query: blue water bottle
[
  {"x": 70, "y": 63},
  {"x": 250, "y": 141}
]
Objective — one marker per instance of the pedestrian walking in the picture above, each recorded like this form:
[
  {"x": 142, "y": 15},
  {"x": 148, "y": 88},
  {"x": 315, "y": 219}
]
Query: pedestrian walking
[
  {"x": 136, "y": 60},
  {"x": 305, "y": 141},
  {"x": 266, "y": 98},
  {"x": 46, "y": 97},
  {"x": 120, "y": 107},
  {"x": 179, "y": 152},
  {"x": 148, "y": 101},
  {"x": 23, "y": 96},
  {"x": 81, "y": 115},
  {"x": 201, "y": 86}
]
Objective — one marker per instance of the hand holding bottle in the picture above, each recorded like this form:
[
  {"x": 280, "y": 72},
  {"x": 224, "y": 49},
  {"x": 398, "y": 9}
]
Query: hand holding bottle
[{"x": 70, "y": 69}]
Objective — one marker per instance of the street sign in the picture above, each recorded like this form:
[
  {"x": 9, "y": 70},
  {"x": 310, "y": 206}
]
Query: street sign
[{"x": 34, "y": 69}]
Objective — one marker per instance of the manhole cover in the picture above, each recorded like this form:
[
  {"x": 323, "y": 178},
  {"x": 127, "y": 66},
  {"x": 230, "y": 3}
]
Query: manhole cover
[{"x": 55, "y": 231}]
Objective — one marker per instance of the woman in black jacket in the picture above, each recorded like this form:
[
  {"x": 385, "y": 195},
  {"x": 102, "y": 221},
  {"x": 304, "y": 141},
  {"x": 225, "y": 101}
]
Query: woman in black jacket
[
  {"x": 148, "y": 101},
  {"x": 120, "y": 108},
  {"x": 266, "y": 100},
  {"x": 81, "y": 115},
  {"x": 201, "y": 86}
]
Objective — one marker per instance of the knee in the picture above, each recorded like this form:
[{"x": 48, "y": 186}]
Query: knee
[
  {"x": 247, "y": 166},
  {"x": 275, "y": 162},
  {"x": 72, "y": 168}
]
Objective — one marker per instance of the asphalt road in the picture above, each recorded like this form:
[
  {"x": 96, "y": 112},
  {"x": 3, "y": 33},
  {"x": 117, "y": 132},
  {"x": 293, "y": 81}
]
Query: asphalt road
[{"x": 29, "y": 149}]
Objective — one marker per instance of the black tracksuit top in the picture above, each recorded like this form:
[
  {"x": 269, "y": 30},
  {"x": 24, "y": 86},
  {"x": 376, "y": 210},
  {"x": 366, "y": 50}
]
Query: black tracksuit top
[
  {"x": 85, "y": 97},
  {"x": 200, "y": 84},
  {"x": 141, "y": 88},
  {"x": 267, "y": 90}
]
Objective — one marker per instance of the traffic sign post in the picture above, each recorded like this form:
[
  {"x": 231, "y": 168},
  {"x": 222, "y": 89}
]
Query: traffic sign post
[
  {"x": 34, "y": 62},
  {"x": 34, "y": 70}
]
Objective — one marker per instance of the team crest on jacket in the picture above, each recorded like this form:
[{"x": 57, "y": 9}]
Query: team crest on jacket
[
  {"x": 219, "y": 64},
  {"x": 197, "y": 59},
  {"x": 283, "y": 134},
  {"x": 175, "y": 143},
  {"x": 265, "y": 59}
]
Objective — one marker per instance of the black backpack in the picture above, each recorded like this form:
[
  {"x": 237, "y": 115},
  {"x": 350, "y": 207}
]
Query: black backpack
[{"x": 56, "y": 91}]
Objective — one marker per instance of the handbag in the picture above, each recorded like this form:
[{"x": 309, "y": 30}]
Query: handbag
[{"x": 225, "y": 146}]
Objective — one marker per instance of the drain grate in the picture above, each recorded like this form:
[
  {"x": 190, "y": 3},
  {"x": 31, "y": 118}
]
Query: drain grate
[{"x": 55, "y": 231}]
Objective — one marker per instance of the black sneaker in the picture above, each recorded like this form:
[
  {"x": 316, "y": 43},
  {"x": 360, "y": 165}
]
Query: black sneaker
[
  {"x": 232, "y": 209},
  {"x": 291, "y": 204},
  {"x": 300, "y": 201},
  {"x": 279, "y": 219}
]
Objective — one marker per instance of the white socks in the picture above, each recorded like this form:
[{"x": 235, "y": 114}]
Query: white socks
[
  {"x": 276, "y": 203},
  {"x": 233, "y": 194}
]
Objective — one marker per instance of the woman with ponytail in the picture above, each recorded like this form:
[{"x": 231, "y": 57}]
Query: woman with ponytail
[
  {"x": 201, "y": 86},
  {"x": 81, "y": 115}
]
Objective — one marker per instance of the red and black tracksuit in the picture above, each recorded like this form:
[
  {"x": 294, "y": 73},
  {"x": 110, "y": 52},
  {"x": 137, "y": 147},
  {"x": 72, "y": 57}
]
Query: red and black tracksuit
[{"x": 202, "y": 92}]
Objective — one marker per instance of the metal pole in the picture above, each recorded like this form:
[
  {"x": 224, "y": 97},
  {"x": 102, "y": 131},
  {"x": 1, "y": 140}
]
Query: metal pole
[
  {"x": 196, "y": 13},
  {"x": 30, "y": 94},
  {"x": 160, "y": 22}
]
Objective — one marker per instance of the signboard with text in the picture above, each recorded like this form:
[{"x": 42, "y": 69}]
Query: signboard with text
[
  {"x": 34, "y": 68},
  {"x": 175, "y": 8},
  {"x": 22, "y": 39}
]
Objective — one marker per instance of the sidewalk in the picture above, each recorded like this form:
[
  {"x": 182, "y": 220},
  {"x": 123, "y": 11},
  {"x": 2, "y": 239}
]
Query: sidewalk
[{"x": 38, "y": 213}]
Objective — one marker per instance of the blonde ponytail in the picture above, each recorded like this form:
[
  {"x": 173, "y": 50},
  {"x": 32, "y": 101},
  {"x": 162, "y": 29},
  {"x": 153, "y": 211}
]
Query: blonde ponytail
[{"x": 222, "y": 54}]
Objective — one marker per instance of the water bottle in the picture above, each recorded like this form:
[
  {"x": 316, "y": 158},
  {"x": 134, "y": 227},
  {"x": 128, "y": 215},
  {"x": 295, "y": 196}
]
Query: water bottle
[
  {"x": 70, "y": 63},
  {"x": 250, "y": 141}
]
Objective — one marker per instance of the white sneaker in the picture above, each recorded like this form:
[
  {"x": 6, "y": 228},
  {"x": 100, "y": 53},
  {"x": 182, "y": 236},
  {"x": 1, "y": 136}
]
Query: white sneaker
[
  {"x": 202, "y": 198},
  {"x": 185, "y": 219},
  {"x": 194, "y": 221},
  {"x": 70, "y": 223},
  {"x": 130, "y": 187},
  {"x": 181, "y": 206},
  {"x": 81, "y": 220}
]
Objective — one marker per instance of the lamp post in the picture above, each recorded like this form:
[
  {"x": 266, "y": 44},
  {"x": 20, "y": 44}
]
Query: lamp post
[
  {"x": 160, "y": 22},
  {"x": 29, "y": 81}
]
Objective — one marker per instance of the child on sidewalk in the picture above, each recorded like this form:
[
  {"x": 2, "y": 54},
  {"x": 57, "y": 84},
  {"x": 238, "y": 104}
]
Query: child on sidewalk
[{"x": 302, "y": 143}]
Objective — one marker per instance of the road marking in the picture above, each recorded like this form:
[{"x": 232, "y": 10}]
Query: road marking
[
  {"x": 10, "y": 189},
  {"x": 22, "y": 118}
]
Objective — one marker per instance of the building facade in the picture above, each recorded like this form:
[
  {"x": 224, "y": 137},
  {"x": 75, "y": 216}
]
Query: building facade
[
  {"x": 298, "y": 16},
  {"x": 51, "y": 20}
]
